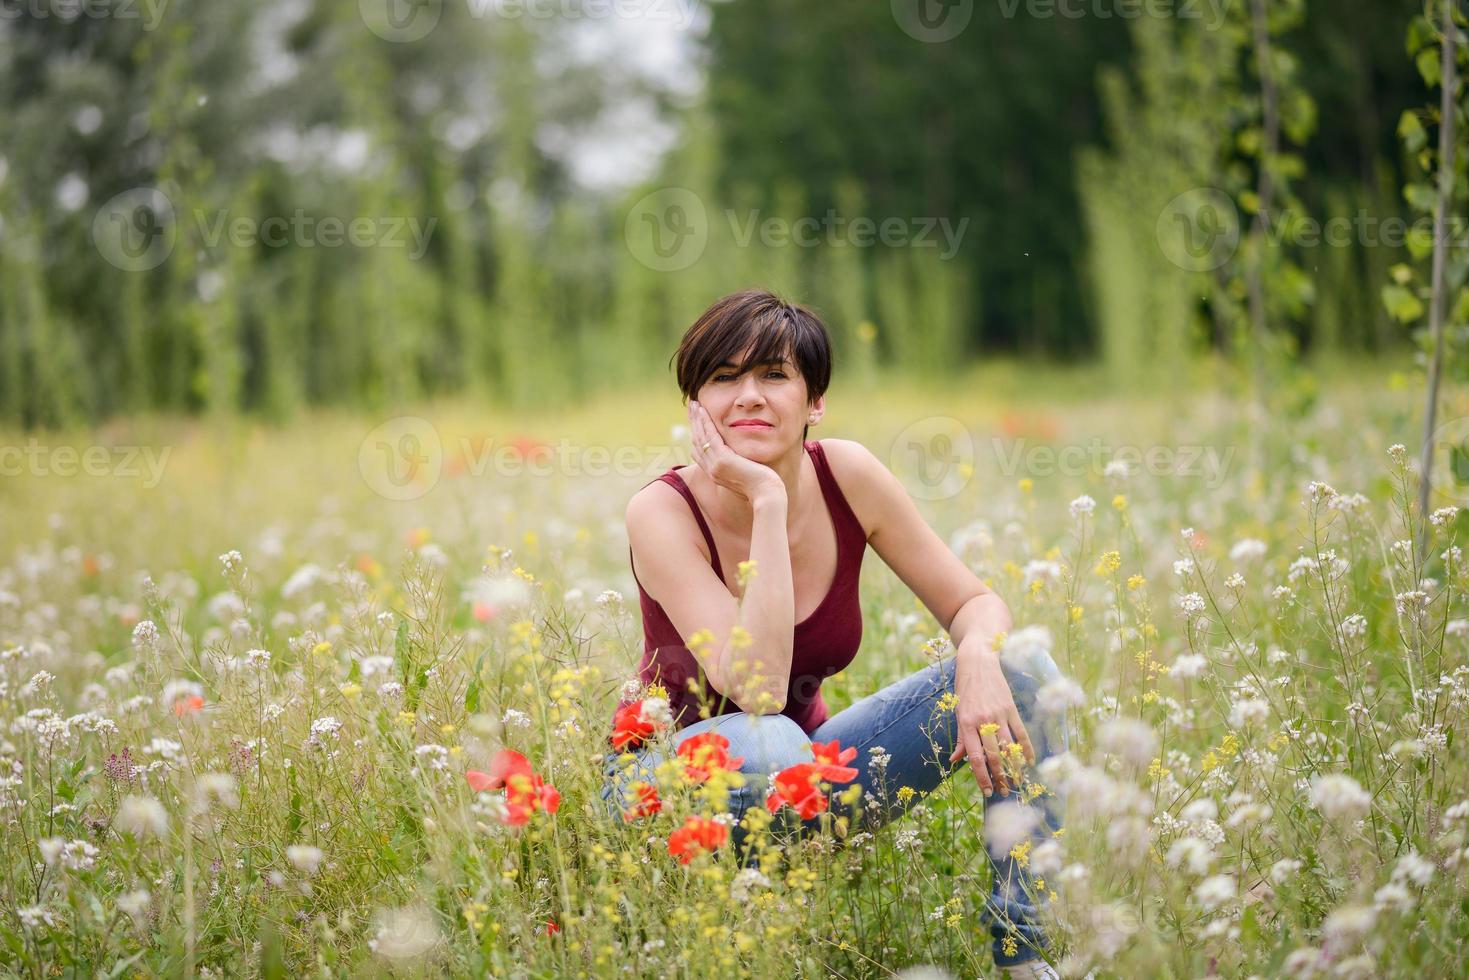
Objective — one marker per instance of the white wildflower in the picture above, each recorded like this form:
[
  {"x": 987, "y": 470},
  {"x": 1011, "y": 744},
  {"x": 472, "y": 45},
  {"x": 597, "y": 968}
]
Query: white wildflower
[
  {"x": 1339, "y": 796},
  {"x": 1188, "y": 665},
  {"x": 304, "y": 858},
  {"x": 1247, "y": 549},
  {"x": 1247, "y": 712},
  {"x": 1214, "y": 891},
  {"x": 1059, "y": 694},
  {"x": 1131, "y": 739},
  {"x": 1192, "y": 853},
  {"x": 404, "y": 934},
  {"x": 145, "y": 635},
  {"x": 1284, "y": 869},
  {"x": 142, "y": 816},
  {"x": 745, "y": 882}
]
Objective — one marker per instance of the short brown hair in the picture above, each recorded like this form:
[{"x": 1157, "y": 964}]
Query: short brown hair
[{"x": 769, "y": 326}]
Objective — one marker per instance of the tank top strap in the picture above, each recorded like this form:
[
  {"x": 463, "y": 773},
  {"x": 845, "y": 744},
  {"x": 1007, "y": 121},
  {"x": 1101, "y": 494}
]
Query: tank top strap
[
  {"x": 674, "y": 480},
  {"x": 836, "y": 501}
]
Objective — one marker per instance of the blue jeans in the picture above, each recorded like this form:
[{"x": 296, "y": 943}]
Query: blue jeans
[{"x": 904, "y": 721}]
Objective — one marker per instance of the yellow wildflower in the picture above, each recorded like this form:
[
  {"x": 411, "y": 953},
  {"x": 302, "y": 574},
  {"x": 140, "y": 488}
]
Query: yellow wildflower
[{"x": 746, "y": 572}]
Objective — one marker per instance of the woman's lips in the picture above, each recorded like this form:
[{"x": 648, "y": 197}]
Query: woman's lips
[{"x": 750, "y": 425}]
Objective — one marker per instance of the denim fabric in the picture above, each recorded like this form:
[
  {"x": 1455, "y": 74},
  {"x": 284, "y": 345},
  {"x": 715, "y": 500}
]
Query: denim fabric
[{"x": 904, "y": 721}]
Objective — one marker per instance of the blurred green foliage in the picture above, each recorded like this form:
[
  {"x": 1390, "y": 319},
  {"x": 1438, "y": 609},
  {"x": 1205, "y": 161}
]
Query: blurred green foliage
[{"x": 1046, "y": 144}]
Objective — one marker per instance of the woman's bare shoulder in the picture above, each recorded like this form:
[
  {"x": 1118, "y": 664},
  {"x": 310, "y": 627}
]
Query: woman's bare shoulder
[
  {"x": 859, "y": 474},
  {"x": 850, "y": 461},
  {"x": 656, "y": 497}
]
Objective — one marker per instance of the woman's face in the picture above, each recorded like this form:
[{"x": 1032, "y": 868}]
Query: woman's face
[{"x": 774, "y": 394}]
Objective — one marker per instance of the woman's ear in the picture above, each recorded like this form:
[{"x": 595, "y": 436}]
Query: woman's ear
[{"x": 816, "y": 411}]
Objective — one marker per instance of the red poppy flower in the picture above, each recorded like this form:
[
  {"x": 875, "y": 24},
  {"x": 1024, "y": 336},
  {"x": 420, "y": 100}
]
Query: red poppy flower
[
  {"x": 525, "y": 792},
  {"x": 833, "y": 759},
  {"x": 648, "y": 803},
  {"x": 630, "y": 729},
  {"x": 551, "y": 927},
  {"x": 698, "y": 835},
  {"x": 799, "y": 787},
  {"x": 184, "y": 706},
  {"x": 527, "y": 446},
  {"x": 706, "y": 752}
]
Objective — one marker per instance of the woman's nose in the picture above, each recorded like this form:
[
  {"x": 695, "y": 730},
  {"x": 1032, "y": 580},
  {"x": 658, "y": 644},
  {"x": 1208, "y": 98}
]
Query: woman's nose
[{"x": 749, "y": 390}]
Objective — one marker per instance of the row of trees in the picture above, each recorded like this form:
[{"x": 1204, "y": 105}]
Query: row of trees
[{"x": 169, "y": 192}]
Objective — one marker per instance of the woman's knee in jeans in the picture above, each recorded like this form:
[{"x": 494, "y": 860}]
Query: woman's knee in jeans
[
  {"x": 768, "y": 743},
  {"x": 1041, "y": 695}
]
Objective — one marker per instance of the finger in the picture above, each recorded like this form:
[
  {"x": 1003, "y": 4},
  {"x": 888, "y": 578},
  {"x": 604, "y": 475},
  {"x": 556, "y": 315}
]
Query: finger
[
  {"x": 1017, "y": 727},
  {"x": 701, "y": 436},
  {"x": 711, "y": 431},
  {"x": 1006, "y": 739},
  {"x": 975, "y": 753},
  {"x": 696, "y": 435},
  {"x": 992, "y": 757}
]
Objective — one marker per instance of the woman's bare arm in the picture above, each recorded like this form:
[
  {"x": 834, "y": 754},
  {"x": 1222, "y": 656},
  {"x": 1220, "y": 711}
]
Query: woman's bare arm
[{"x": 749, "y": 659}]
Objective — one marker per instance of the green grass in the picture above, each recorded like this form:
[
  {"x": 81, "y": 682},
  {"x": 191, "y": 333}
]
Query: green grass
[{"x": 417, "y": 874}]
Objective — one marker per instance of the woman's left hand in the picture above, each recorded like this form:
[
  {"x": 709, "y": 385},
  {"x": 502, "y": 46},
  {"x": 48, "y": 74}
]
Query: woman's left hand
[{"x": 987, "y": 717}]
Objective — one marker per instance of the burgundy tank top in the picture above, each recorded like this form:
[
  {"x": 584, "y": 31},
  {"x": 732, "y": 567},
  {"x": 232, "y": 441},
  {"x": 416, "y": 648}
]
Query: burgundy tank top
[{"x": 825, "y": 641}]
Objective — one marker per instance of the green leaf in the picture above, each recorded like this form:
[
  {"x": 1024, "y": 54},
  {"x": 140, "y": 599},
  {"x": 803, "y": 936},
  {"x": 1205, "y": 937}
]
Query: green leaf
[
  {"x": 471, "y": 696},
  {"x": 294, "y": 818},
  {"x": 1419, "y": 241},
  {"x": 1459, "y": 463},
  {"x": 1430, "y": 66},
  {"x": 1411, "y": 131},
  {"x": 1401, "y": 304},
  {"x": 1420, "y": 35},
  {"x": 272, "y": 954},
  {"x": 1421, "y": 196}
]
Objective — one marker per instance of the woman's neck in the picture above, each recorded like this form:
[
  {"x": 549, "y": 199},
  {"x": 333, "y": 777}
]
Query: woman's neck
[{"x": 736, "y": 513}]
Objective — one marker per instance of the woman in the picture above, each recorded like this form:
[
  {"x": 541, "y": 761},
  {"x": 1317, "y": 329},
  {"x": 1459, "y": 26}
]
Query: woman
[{"x": 756, "y": 370}]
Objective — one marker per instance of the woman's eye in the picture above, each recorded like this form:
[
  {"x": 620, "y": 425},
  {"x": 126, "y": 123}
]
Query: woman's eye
[
  {"x": 722, "y": 377},
  {"x": 778, "y": 374}
]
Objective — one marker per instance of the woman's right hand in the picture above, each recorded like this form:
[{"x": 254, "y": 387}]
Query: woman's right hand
[{"x": 745, "y": 476}]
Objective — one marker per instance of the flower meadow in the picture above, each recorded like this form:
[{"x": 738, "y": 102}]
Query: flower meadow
[{"x": 258, "y": 720}]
